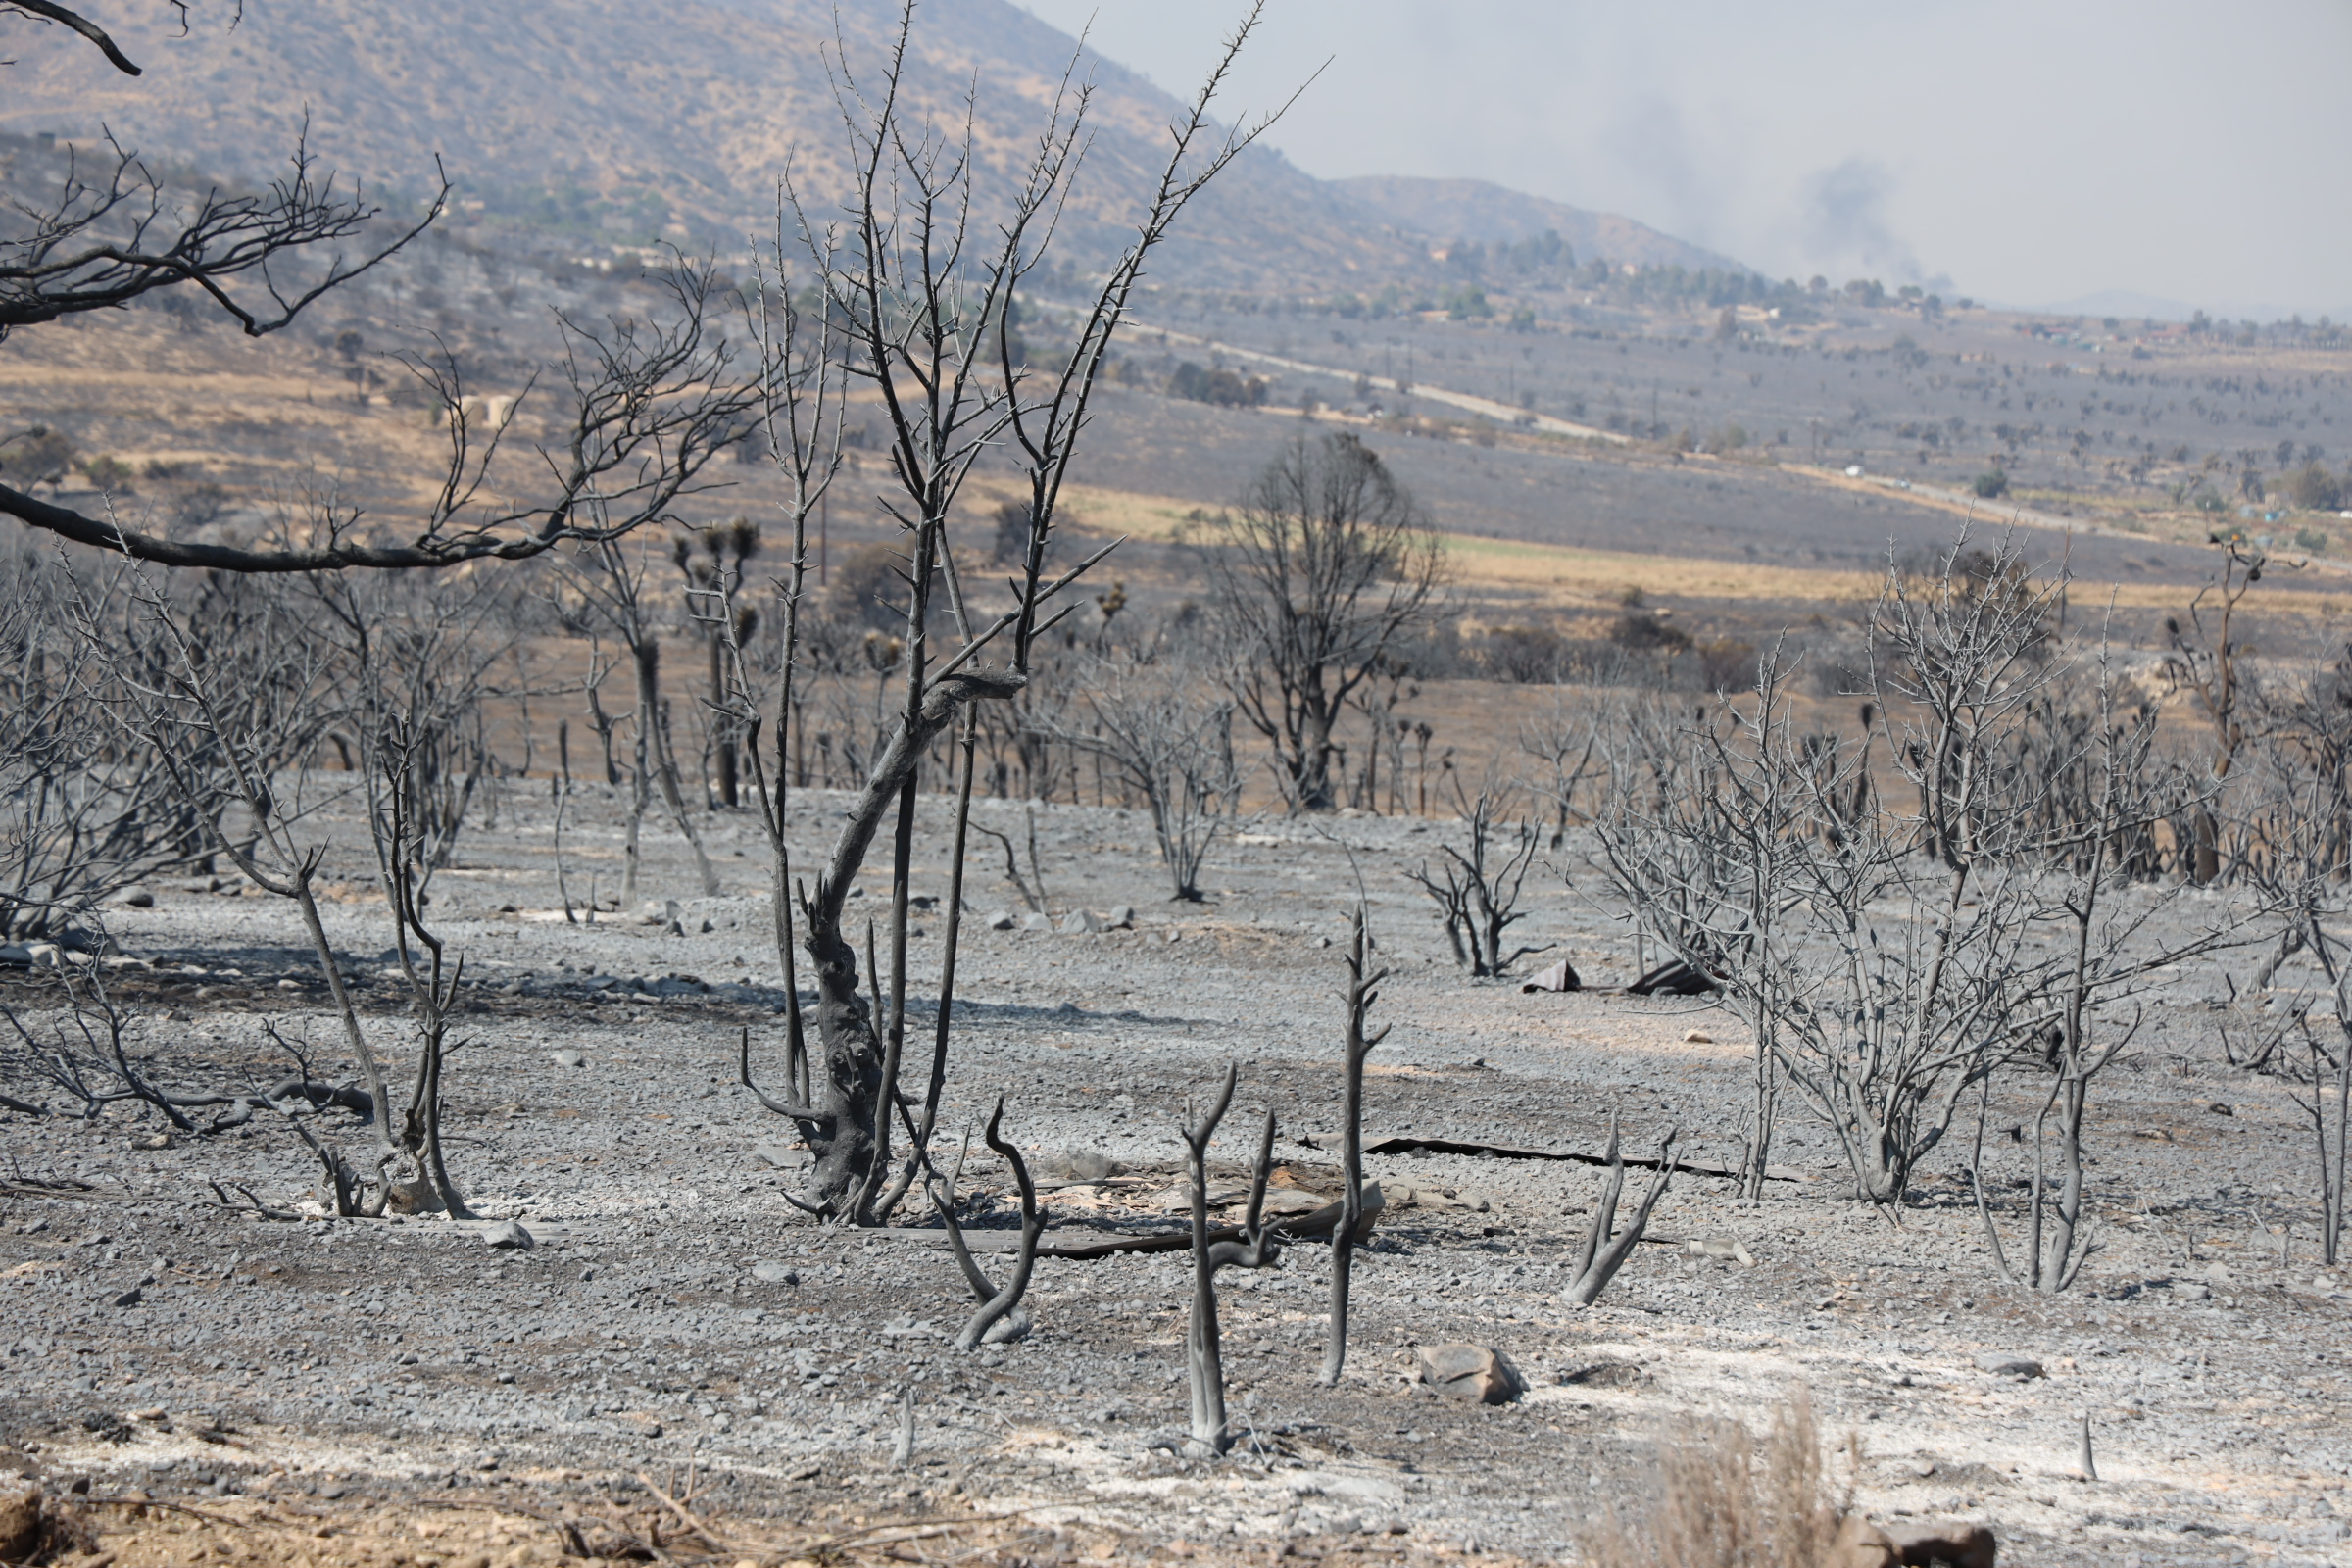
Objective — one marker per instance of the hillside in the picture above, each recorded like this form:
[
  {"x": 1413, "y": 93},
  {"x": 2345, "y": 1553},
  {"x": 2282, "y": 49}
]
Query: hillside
[
  {"x": 590, "y": 120},
  {"x": 1488, "y": 214}
]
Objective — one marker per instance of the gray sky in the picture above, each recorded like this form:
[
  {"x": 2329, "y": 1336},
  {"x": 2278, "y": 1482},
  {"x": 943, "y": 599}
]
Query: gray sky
[{"x": 2031, "y": 153}]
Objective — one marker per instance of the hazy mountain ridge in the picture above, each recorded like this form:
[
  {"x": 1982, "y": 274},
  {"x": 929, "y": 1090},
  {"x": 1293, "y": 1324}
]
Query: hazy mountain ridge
[
  {"x": 629, "y": 122},
  {"x": 1487, "y": 214}
]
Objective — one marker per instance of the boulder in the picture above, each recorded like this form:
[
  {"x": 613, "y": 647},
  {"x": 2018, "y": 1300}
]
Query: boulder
[
  {"x": 20, "y": 1521},
  {"x": 508, "y": 1236},
  {"x": 1471, "y": 1372},
  {"x": 1922, "y": 1542}
]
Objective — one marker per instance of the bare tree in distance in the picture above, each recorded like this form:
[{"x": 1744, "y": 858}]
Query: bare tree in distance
[
  {"x": 1155, "y": 723},
  {"x": 1324, "y": 566},
  {"x": 2207, "y": 664},
  {"x": 1476, "y": 890}
]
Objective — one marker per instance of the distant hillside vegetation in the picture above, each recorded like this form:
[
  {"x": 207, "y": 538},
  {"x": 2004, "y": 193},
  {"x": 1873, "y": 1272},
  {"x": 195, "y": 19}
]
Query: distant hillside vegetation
[{"x": 1487, "y": 214}]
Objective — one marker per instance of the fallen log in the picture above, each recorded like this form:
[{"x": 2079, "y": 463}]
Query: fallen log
[{"x": 1459, "y": 1146}]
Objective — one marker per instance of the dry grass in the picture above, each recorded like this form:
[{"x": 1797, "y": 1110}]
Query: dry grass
[{"x": 1724, "y": 1500}]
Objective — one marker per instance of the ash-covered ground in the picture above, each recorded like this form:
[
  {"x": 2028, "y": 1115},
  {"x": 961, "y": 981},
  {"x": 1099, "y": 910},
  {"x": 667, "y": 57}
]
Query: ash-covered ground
[{"x": 162, "y": 1343}]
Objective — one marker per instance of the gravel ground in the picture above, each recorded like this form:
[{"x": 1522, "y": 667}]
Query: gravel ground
[{"x": 358, "y": 1365}]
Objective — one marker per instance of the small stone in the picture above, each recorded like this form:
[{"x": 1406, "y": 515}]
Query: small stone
[
  {"x": 1719, "y": 1246},
  {"x": 130, "y": 1297},
  {"x": 20, "y": 1521},
  {"x": 1471, "y": 1372},
  {"x": 2219, "y": 1109},
  {"x": 136, "y": 898},
  {"x": 1036, "y": 922},
  {"x": 2003, "y": 1365},
  {"x": 1081, "y": 923},
  {"x": 568, "y": 1058},
  {"x": 767, "y": 1271},
  {"x": 508, "y": 1236},
  {"x": 1001, "y": 920},
  {"x": 1121, "y": 917}
]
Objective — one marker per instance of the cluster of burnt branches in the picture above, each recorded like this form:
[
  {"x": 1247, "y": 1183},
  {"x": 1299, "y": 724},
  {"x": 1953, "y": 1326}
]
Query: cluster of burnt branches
[{"x": 1956, "y": 897}]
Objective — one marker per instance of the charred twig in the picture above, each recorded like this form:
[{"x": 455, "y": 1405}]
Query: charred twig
[
  {"x": 1361, "y": 994},
  {"x": 1604, "y": 1255},
  {"x": 1211, "y": 1434}
]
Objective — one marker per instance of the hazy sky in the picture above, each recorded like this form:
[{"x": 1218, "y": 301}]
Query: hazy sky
[{"x": 2032, "y": 153}]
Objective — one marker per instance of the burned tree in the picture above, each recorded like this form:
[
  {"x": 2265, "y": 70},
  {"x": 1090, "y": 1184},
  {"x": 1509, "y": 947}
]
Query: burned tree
[
  {"x": 1327, "y": 564},
  {"x": 919, "y": 301},
  {"x": 1203, "y": 1353},
  {"x": 1476, "y": 890}
]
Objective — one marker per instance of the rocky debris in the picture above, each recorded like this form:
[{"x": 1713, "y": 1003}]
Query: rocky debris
[
  {"x": 1086, "y": 1165},
  {"x": 2003, "y": 1365},
  {"x": 508, "y": 1236},
  {"x": 568, "y": 1058},
  {"x": 1470, "y": 1372},
  {"x": 767, "y": 1271},
  {"x": 1081, "y": 923},
  {"x": 1036, "y": 922},
  {"x": 1719, "y": 1246},
  {"x": 1561, "y": 976},
  {"x": 1924, "y": 1542},
  {"x": 1000, "y": 920},
  {"x": 414, "y": 1197}
]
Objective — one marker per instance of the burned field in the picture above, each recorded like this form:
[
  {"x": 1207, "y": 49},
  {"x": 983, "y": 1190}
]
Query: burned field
[{"x": 175, "y": 1339}]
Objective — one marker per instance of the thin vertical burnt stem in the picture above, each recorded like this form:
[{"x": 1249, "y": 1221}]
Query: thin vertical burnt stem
[{"x": 1360, "y": 997}]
